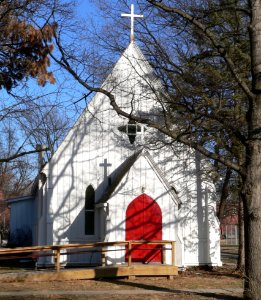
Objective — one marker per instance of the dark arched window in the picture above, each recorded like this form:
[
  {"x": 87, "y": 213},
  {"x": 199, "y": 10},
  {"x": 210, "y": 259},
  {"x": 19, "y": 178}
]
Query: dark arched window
[{"x": 89, "y": 210}]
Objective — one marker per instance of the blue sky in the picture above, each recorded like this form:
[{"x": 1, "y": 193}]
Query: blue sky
[
  {"x": 85, "y": 8},
  {"x": 65, "y": 91}
]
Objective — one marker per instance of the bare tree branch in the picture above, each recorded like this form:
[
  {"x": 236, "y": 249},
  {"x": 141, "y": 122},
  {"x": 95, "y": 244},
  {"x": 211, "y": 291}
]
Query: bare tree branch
[
  {"x": 214, "y": 40},
  {"x": 17, "y": 155}
]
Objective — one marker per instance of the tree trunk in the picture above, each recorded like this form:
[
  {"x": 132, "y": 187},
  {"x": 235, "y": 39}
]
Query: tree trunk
[
  {"x": 241, "y": 249},
  {"x": 252, "y": 210},
  {"x": 252, "y": 205},
  {"x": 252, "y": 184},
  {"x": 224, "y": 195}
]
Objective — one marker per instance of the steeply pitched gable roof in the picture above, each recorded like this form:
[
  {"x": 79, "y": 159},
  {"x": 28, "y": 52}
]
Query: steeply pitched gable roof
[
  {"x": 131, "y": 59},
  {"x": 134, "y": 60},
  {"x": 121, "y": 171}
]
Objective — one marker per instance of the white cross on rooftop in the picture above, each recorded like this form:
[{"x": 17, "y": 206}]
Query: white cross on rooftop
[{"x": 132, "y": 16}]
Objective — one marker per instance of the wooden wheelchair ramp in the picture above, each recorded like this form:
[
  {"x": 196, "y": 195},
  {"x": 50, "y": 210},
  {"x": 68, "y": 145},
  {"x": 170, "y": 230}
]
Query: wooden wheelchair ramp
[
  {"x": 91, "y": 273},
  {"x": 126, "y": 269}
]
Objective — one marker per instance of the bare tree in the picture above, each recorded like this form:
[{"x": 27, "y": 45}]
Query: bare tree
[
  {"x": 27, "y": 28},
  {"x": 45, "y": 125},
  {"x": 213, "y": 83},
  {"x": 15, "y": 176}
]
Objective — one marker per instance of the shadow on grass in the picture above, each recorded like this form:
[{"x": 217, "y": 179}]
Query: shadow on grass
[
  {"x": 174, "y": 291},
  {"x": 219, "y": 272}
]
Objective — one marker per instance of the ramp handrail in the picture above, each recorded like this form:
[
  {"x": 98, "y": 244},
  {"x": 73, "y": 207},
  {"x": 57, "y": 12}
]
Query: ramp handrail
[{"x": 37, "y": 250}]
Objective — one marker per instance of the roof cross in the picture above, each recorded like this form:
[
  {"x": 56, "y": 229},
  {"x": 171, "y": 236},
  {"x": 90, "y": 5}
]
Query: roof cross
[{"x": 132, "y": 16}]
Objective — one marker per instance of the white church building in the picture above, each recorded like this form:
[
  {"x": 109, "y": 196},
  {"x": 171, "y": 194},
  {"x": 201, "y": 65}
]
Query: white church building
[{"x": 116, "y": 180}]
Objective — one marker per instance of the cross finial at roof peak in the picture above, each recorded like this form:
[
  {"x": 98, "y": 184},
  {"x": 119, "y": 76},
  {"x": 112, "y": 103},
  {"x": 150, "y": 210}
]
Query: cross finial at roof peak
[{"x": 132, "y": 16}]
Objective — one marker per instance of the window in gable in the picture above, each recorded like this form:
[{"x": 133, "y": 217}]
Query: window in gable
[{"x": 132, "y": 129}]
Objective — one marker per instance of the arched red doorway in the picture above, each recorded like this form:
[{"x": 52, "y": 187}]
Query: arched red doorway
[{"x": 144, "y": 222}]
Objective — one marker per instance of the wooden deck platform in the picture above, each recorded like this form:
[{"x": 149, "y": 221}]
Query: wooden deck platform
[
  {"x": 129, "y": 269},
  {"x": 91, "y": 273}
]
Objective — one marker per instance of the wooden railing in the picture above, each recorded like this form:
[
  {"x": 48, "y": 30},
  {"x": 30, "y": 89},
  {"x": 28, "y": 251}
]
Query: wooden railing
[{"x": 55, "y": 250}]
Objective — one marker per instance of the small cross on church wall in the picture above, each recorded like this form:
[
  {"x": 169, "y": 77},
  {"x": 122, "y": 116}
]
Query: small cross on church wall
[{"x": 105, "y": 166}]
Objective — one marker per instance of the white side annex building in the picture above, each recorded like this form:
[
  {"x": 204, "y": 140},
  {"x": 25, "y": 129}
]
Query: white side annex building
[{"x": 107, "y": 182}]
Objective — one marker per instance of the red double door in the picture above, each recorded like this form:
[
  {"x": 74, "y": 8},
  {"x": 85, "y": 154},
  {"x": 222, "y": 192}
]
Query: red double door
[{"x": 144, "y": 222}]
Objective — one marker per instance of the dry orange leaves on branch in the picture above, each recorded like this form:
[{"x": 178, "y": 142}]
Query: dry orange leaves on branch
[{"x": 24, "y": 50}]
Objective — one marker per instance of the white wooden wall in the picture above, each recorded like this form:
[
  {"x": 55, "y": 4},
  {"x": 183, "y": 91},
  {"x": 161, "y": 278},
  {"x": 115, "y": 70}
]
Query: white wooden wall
[
  {"x": 95, "y": 137},
  {"x": 140, "y": 179}
]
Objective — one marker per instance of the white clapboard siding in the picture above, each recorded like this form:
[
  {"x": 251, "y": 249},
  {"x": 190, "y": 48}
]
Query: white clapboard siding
[{"x": 94, "y": 138}]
